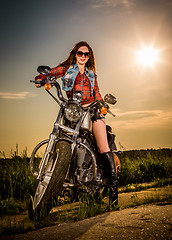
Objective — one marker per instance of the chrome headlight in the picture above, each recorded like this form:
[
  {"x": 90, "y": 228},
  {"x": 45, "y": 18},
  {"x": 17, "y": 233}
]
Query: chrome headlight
[{"x": 73, "y": 112}]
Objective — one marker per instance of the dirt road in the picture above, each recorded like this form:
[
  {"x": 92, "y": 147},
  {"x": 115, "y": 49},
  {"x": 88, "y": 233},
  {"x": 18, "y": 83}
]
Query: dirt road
[{"x": 152, "y": 221}]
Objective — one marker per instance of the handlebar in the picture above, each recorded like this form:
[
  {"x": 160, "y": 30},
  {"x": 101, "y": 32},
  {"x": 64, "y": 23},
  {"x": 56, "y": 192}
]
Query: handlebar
[
  {"x": 53, "y": 83},
  {"x": 59, "y": 92},
  {"x": 38, "y": 82}
]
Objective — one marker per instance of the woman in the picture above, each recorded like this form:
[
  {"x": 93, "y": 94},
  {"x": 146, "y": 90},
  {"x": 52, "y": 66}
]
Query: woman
[{"x": 78, "y": 73}]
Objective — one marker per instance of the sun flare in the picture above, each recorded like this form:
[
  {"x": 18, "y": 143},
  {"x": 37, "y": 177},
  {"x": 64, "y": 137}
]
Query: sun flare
[{"x": 147, "y": 56}]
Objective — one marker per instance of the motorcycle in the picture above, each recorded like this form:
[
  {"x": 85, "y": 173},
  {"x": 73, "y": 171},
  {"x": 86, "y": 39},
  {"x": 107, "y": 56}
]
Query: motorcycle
[{"x": 71, "y": 160}]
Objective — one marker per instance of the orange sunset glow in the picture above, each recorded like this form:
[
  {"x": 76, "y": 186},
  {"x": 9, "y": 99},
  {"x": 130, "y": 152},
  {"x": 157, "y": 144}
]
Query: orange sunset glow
[{"x": 131, "y": 40}]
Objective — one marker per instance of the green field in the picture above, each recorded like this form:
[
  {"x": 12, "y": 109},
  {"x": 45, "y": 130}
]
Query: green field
[{"x": 137, "y": 166}]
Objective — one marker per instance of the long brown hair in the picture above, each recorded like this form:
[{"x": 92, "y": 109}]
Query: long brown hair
[{"x": 72, "y": 59}]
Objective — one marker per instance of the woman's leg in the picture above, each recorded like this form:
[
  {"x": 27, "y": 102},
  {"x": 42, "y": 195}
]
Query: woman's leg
[
  {"x": 107, "y": 158},
  {"x": 100, "y": 134}
]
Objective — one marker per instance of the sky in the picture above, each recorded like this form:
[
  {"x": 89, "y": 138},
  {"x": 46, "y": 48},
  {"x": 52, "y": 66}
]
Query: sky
[{"x": 43, "y": 32}]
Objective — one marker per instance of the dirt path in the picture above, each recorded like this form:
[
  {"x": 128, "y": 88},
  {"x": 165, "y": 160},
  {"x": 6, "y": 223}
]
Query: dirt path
[{"x": 151, "y": 221}]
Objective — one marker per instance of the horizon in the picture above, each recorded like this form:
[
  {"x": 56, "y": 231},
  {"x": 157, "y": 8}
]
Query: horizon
[{"x": 24, "y": 152}]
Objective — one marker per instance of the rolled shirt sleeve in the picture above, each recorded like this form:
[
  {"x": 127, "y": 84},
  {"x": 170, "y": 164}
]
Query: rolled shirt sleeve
[
  {"x": 58, "y": 72},
  {"x": 97, "y": 95}
]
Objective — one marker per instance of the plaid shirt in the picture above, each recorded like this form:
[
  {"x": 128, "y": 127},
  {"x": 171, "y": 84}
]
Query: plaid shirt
[{"x": 82, "y": 83}]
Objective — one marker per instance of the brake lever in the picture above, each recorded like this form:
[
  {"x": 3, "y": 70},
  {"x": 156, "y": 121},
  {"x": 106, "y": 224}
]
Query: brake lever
[{"x": 111, "y": 113}]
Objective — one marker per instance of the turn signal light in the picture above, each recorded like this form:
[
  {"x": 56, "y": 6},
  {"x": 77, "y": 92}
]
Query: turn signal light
[
  {"x": 47, "y": 86},
  {"x": 104, "y": 110}
]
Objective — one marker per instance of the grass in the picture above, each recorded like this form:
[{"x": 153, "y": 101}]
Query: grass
[
  {"x": 136, "y": 201},
  {"x": 142, "y": 166},
  {"x": 16, "y": 183},
  {"x": 140, "y": 170},
  {"x": 143, "y": 186},
  {"x": 10, "y": 229}
]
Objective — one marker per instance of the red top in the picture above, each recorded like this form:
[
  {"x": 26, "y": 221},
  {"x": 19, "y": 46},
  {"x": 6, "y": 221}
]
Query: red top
[{"x": 81, "y": 83}]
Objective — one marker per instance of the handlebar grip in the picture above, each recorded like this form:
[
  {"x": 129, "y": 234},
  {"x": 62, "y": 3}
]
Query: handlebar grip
[{"x": 38, "y": 82}]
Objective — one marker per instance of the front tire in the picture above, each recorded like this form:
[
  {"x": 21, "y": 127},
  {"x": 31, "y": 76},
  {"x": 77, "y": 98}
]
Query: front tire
[{"x": 51, "y": 182}]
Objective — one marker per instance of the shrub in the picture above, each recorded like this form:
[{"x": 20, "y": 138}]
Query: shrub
[{"x": 141, "y": 166}]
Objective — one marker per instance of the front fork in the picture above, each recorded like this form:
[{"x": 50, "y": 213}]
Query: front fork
[
  {"x": 50, "y": 145},
  {"x": 52, "y": 140},
  {"x": 47, "y": 154}
]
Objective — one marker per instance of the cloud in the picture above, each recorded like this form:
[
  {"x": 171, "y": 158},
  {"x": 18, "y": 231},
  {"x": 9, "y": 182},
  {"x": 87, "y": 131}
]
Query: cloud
[
  {"x": 112, "y": 3},
  {"x": 143, "y": 119},
  {"x": 18, "y": 95}
]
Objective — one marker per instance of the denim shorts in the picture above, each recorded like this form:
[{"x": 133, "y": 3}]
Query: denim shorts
[{"x": 95, "y": 116}]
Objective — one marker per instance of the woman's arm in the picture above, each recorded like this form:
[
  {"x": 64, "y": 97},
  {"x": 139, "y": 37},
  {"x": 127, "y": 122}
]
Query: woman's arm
[
  {"x": 58, "y": 72},
  {"x": 97, "y": 95}
]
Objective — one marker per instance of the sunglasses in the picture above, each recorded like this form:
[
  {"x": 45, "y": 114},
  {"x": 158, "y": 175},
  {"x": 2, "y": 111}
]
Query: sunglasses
[{"x": 80, "y": 54}]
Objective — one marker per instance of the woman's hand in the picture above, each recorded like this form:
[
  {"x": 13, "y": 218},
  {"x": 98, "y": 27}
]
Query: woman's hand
[
  {"x": 38, "y": 85},
  {"x": 117, "y": 164}
]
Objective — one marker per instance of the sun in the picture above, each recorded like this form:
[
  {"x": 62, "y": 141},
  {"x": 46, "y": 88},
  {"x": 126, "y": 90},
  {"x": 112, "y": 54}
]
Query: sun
[{"x": 148, "y": 56}]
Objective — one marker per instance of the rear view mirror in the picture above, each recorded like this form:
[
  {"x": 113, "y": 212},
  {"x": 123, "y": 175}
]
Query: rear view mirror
[
  {"x": 109, "y": 98},
  {"x": 45, "y": 70}
]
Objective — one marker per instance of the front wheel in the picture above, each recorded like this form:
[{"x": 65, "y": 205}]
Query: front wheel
[{"x": 51, "y": 181}]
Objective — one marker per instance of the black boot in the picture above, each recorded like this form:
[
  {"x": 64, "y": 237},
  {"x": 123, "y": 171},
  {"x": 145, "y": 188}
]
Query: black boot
[{"x": 108, "y": 163}]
